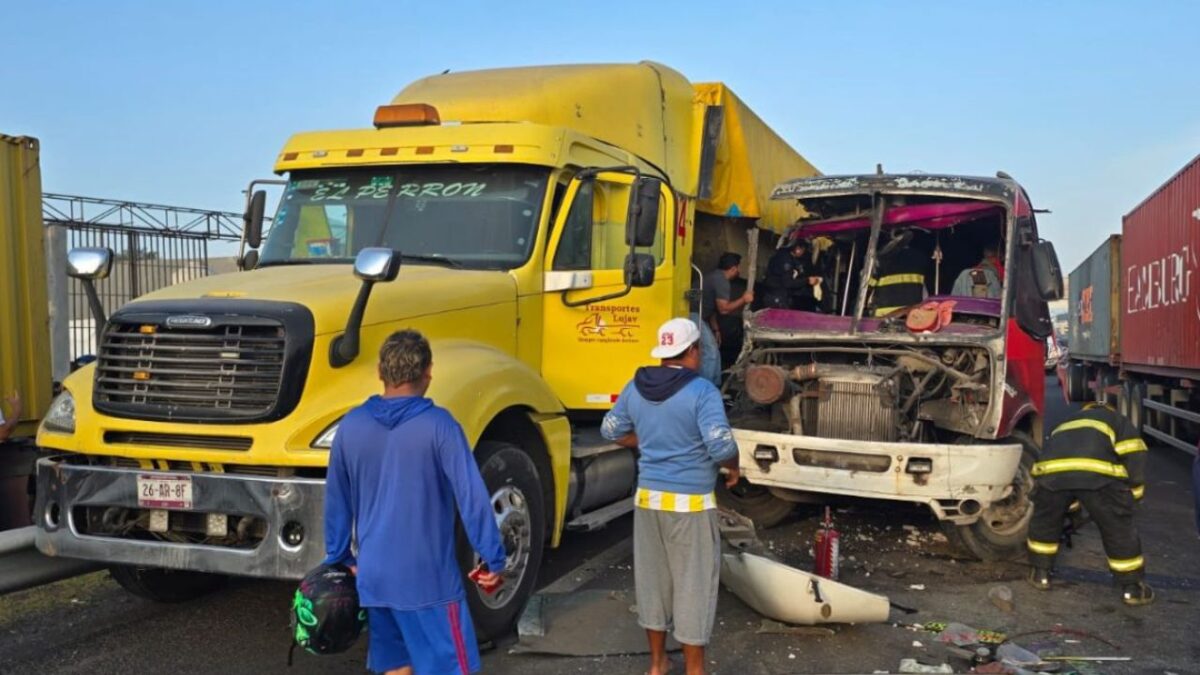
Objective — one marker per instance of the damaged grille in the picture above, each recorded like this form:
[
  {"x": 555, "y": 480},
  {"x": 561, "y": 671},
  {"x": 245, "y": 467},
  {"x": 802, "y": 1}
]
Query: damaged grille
[{"x": 853, "y": 409}]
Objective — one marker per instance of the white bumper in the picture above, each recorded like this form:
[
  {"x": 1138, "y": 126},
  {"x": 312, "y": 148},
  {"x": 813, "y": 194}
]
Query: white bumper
[{"x": 961, "y": 482}]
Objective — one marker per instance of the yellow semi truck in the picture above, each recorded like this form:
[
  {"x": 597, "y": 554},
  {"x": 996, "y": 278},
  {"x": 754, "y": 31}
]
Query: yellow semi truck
[{"x": 544, "y": 222}]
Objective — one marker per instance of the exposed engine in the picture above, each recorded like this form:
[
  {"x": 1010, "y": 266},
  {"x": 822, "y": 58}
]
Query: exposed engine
[{"x": 887, "y": 393}]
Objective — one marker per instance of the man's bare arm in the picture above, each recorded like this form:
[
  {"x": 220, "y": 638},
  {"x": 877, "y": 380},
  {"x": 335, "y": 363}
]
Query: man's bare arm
[
  {"x": 628, "y": 441},
  {"x": 731, "y": 306}
]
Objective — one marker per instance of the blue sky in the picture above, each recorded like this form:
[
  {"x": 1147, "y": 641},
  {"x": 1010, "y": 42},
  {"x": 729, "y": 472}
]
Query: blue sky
[{"x": 1090, "y": 105}]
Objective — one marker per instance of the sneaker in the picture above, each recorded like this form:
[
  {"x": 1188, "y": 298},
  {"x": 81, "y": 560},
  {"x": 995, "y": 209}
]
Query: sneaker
[
  {"x": 1137, "y": 594},
  {"x": 1039, "y": 579}
]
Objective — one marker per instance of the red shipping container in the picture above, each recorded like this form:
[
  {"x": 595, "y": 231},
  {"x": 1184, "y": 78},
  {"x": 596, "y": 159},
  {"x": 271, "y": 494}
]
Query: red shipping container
[{"x": 1160, "y": 260}]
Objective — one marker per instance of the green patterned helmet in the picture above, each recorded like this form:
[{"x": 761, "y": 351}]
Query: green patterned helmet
[{"x": 326, "y": 618}]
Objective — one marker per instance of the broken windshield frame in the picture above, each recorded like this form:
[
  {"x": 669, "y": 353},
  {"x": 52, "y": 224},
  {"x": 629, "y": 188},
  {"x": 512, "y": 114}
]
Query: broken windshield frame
[
  {"x": 877, "y": 217},
  {"x": 474, "y": 216}
]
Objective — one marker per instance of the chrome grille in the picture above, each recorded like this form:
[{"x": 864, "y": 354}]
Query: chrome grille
[
  {"x": 852, "y": 409},
  {"x": 229, "y": 371}
]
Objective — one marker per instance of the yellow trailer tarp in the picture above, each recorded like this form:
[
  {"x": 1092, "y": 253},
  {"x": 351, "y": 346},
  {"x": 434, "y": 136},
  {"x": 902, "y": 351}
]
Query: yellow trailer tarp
[
  {"x": 751, "y": 159},
  {"x": 24, "y": 311}
]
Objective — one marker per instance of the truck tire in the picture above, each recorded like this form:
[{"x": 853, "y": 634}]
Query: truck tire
[
  {"x": 512, "y": 480},
  {"x": 1135, "y": 392},
  {"x": 1104, "y": 380},
  {"x": 755, "y": 502},
  {"x": 1076, "y": 383},
  {"x": 163, "y": 585},
  {"x": 1000, "y": 532}
]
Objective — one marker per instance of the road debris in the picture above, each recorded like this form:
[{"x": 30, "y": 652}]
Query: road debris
[
  {"x": 1002, "y": 598},
  {"x": 917, "y": 587},
  {"x": 772, "y": 627},
  {"x": 581, "y": 623},
  {"x": 914, "y": 666},
  {"x": 1014, "y": 654}
]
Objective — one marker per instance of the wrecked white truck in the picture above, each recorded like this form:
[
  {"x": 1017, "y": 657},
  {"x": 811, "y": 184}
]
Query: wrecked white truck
[{"x": 920, "y": 376}]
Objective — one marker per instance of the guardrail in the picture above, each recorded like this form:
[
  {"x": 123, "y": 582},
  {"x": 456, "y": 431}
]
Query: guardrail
[{"x": 23, "y": 566}]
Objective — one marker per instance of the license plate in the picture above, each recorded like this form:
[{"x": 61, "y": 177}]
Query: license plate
[{"x": 158, "y": 491}]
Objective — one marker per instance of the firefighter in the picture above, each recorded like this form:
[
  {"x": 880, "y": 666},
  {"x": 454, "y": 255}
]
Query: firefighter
[
  {"x": 899, "y": 279},
  {"x": 791, "y": 278},
  {"x": 1097, "y": 458}
]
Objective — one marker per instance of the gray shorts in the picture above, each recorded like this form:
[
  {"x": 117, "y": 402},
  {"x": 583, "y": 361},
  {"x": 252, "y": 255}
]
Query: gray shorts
[{"x": 677, "y": 570}]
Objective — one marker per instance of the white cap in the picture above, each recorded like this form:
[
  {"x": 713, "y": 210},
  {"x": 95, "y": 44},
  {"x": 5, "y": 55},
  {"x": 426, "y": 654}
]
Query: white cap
[{"x": 674, "y": 337}]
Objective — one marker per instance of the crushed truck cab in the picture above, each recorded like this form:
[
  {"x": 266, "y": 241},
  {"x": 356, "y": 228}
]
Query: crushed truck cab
[{"x": 920, "y": 376}]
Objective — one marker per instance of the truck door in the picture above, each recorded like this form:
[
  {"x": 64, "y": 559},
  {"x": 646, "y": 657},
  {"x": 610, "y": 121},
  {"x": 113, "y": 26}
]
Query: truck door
[{"x": 597, "y": 327}]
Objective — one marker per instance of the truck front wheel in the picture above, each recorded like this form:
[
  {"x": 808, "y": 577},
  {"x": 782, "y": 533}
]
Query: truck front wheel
[
  {"x": 512, "y": 481},
  {"x": 999, "y": 534},
  {"x": 163, "y": 585},
  {"x": 755, "y": 502}
]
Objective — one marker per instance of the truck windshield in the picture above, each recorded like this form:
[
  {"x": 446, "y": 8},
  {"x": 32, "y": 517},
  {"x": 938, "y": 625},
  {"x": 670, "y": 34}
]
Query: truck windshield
[{"x": 480, "y": 216}]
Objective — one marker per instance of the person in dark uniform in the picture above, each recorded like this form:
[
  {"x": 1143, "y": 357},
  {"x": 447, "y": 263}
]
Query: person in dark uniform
[
  {"x": 1097, "y": 458},
  {"x": 791, "y": 278},
  {"x": 899, "y": 279}
]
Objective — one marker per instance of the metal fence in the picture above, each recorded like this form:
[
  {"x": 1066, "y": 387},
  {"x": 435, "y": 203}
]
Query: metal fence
[{"x": 155, "y": 246}]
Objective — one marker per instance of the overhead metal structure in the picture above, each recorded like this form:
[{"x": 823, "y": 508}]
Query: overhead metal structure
[{"x": 94, "y": 213}]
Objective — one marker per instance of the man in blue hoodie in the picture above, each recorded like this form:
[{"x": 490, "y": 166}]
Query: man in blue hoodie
[
  {"x": 677, "y": 422},
  {"x": 398, "y": 469}
]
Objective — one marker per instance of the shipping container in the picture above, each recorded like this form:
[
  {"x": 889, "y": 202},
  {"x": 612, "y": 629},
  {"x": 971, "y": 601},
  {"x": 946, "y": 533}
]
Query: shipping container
[
  {"x": 1160, "y": 261},
  {"x": 1095, "y": 294},
  {"x": 24, "y": 312}
]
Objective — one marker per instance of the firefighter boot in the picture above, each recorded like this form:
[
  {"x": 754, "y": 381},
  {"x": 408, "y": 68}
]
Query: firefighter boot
[
  {"x": 1137, "y": 593},
  {"x": 1039, "y": 578}
]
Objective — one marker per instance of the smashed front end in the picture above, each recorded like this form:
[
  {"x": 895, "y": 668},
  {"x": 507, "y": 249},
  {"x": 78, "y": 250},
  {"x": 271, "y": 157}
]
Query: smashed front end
[{"x": 913, "y": 403}]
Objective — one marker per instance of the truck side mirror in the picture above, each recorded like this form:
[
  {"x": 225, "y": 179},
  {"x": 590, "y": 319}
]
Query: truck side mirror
[
  {"x": 88, "y": 265},
  {"x": 641, "y": 223},
  {"x": 1047, "y": 274},
  {"x": 376, "y": 264},
  {"x": 639, "y": 270},
  {"x": 252, "y": 220},
  {"x": 372, "y": 265}
]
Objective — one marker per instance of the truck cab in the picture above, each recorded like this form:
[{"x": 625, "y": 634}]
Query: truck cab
[
  {"x": 535, "y": 228},
  {"x": 936, "y": 400}
]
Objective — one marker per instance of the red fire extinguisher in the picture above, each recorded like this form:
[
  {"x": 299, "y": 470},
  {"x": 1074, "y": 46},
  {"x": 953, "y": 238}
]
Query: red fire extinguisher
[{"x": 825, "y": 548}]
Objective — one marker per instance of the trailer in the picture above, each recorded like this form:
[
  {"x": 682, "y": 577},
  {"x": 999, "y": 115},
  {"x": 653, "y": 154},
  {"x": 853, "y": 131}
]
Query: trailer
[
  {"x": 1135, "y": 316},
  {"x": 24, "y": 320}
]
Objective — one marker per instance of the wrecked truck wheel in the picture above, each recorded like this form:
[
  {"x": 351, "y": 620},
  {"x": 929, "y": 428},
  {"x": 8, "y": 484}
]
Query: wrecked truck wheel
[
  {"x": 755, "y": 502},
  {"x": 512, "y": 481},
  {"x": 1000, "y": 532},
  {"x": 163, "y": 585}
]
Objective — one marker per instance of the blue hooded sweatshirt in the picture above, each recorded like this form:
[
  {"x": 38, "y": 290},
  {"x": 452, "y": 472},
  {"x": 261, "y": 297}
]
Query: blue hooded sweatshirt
[
  {"x": 398, "y": 468},
  {"x": 683, "y": 433}
]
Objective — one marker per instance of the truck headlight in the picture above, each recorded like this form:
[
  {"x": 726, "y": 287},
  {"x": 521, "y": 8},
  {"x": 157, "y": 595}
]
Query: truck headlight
[
  {"x": 325, "y": 440},
  {"x": 61, "y": 415}
]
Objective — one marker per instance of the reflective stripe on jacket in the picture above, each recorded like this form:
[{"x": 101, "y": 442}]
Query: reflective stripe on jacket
[{"x": 1093, "y": 447}]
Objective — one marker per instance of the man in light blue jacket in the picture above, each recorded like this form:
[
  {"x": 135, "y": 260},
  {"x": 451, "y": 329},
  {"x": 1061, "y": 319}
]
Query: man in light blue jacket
[{"x": 677, "y": 421}]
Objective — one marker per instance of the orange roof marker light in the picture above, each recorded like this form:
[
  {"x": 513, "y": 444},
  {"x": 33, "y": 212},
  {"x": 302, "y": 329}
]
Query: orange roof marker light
[{"x": 406, "y": 115}]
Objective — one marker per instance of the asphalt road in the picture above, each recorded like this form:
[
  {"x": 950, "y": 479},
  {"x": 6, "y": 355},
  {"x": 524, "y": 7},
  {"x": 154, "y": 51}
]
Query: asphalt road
[{"x": 89, "y": 625}]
